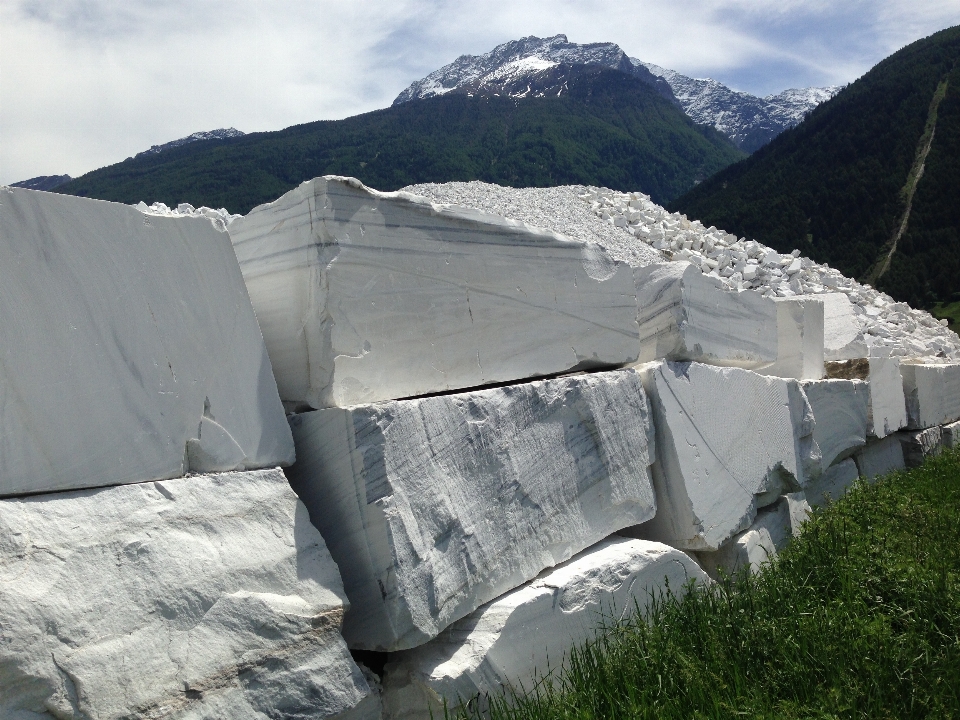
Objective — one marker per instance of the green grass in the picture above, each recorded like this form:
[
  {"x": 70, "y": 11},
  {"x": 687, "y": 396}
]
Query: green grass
[
  {"x": 858, "y": 618},
  {"x": 951, "y": 312}
]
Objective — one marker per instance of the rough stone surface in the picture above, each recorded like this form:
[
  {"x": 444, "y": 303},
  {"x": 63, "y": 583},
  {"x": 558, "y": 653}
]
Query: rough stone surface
[
  {"x": 754, "y": 547},
  {"x": 888, "y": 412},
  {"x": 918, "y": 445},
  {"x": 366, "y": 296},
  {"x": 728, "y": 441},
  {"x": 799, "y": 508},
  {"x": 841, "y": 410},
  {"x": 685, "y": 315},
  {"x": 200, "y": 597},
  {"x": 520, "y": 636},
  {"x": 434, "y": 506},
  {"x": 842, "y": 334},
  {"x": 799, "y": 339},
  {"x": 834, "y": 482},
  {"x": 880, "y": 457},
  {"x": 932, "y": 394},
  {"x": 129, "y": 349},
  {"x": 951, "y": 435}
]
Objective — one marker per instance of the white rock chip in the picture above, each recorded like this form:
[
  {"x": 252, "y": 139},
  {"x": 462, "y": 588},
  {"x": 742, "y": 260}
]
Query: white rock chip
[
  {"x": 799, "y": 339},
  {"x": 834, "y": 482},
  {"x": 880, "y": 458},
  {"x": 434, "y": 506},
  {"x": 842, "y": 333},
  {"x": 686, "y": 315},
  {"x": 516, "y": 639},
  {"x": 754, "y": 547},
  {"x": 366, "y": 296},
  {"x": 841, "y": 410},
  {"x": 932, "y": 394},
  {"x": 951, "y": 435},
  {"x": 918, "y": 445},
  {"x": 208, "y": 596},
  {"x": 129, "y": 349},
  {"x": 728, "y": 441}
]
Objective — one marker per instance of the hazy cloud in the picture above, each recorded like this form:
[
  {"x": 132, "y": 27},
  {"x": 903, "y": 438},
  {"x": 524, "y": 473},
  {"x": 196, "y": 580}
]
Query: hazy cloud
[{"x": 85, "y": 83}]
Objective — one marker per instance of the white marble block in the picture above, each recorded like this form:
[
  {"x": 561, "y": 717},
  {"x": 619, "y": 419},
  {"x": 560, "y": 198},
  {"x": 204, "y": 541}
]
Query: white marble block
[
  {"x": 841, "y": 410},
  {"x": 685, "y": 315},
  {"x": 517, "y": 638},
  {"x": 770, "y": 532},
  {"x": 128, "y": 349},
  {"x": 365, "y": 296},
  {"x": 800, "y": 339},
  {"x": 208, "y": 596},
  {"x": 918, "y": 445},
  {"x": 888, "y": 412},
  {"x": 951, "y": 435},
  {"x": 880, "y": 457},
  {"x": 932, "y": 394},
  {"x": 728, "y": 441},
  {"x": 434, "y": 506},
  {"x": 834, "y": 482},
  {"x": 842, "y": 335}
]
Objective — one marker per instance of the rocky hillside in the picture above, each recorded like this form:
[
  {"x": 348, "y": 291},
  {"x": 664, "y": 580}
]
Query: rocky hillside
[{"x": 867, "y": 183}]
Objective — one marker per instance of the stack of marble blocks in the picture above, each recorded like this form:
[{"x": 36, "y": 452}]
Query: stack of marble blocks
[{"x": 501, "y": 435}]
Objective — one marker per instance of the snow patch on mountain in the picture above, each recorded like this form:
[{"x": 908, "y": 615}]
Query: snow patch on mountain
[{"x": 220, "y": 134}]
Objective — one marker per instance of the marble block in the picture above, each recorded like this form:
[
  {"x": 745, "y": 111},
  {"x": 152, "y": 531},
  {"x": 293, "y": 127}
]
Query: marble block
[
  {"x": 880, "y": 457},
  {"x": 918, "y": 445},
  {"x": 834, "y": 482},
  {"x": 129, "y": 349},
  {"x": 365, "y": 296},
  {"x": 799, "y": 509},
  {"x": 686, "y": 315},
  {"x": 519, "y": 637},
  {"x": 841, "y": 410},
  {"x": 951, "y": 435},
  {"x": 800, "y": 339},
  {"x": 932, "y": 394},
  {"x": 432, "y": 507},
  {"x": 756, "y": 546},
  {"x": 728, "y": 441},
  {"x": 888, "y": 412},
  {"x": 842, "y": 335},
  {"x": 208, "y": 596}
]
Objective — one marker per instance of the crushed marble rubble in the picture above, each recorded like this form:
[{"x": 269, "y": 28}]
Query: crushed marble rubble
[{"x": 220, "y": 218}]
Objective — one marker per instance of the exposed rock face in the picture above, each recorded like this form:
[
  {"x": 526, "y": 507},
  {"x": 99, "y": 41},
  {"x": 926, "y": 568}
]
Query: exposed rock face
[
  {"x": 207, "y": 596},
  {"x": 842, "y": 335},
  {"x": 841, "y": 410},
  {"x": 799, "y": 339},
  {"x": 434, "y": 506},
  {"x": 918, "y": 445},
  {"x": 130, "y": 350},
  {"x": 755, "y": 546},
  {"x": 516, "y": 638},
  {"x": 951, "y": 435},
  {"x": 880, "y": 458},
  {"x": 932, "y": 394},
  {"x": 728, "y": 441},
  {"x": 685, "y": 315},
  {"x": 366, "y": 296},
  {"x": 834, "y": 482},
  {"x": 887, "y": 412}
]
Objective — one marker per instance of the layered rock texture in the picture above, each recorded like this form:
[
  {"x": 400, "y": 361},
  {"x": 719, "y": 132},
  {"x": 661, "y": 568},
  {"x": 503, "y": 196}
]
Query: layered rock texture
[
  {"x": 130, "y": 350},
  {"x": 208, "y": 596},
  {"x": 513, "y": 641},
  {"x": 365, "y": 296},
  {"x": 435, "y": 506}
]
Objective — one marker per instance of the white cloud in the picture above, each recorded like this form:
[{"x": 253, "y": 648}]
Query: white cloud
[{"x": 85, "y": 83}]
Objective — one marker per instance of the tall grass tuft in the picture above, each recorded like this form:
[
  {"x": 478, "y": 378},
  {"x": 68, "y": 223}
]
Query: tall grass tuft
[{"x": 858, "y": 618}]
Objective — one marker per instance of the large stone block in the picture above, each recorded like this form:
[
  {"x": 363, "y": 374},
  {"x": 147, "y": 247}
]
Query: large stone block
[
  {"x": 918, "y": 445},
  {"x": 800, "y": 338},
  {"x": 434, "y": 506},
  {"x": 686, "y": 315},
  {"x": 834, "y": 482},
  {"x": 951, "y": 435},
  {"x": 888, "y": 411},
  {"x": 207, "y": 596},
  {"x": 365, "y": 296},
  {"x": 841, "y": 411},
  {"x": 129, "y": 349},
  {"x": 728, "y": 441},
  {"x": 932, "y": 394},
  {"x": 880, "y": 457},
  {"x": 756, "y": 546},
  {"x": 516, "y": 639},
  {"x": 842, "y": 335}
]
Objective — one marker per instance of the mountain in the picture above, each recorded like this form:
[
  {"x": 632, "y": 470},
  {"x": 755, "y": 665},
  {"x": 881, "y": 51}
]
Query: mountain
[
  {"x": 221, "y": 134},
  {"x": 868, "y": 182},
  {"x": 512, "y": 62},
  {"x": 43, "y": 182},
  {"x": 749, "y": 121},
  {"x": 607, "y": 128}
]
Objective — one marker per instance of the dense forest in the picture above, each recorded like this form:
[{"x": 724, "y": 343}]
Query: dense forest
[
  {"x": 608, "y": 129},
  {"x": 836, "y": 186}
]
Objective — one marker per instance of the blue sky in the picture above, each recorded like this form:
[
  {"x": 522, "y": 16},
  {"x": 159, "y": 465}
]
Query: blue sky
[{"x": 86, "y": 83}]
